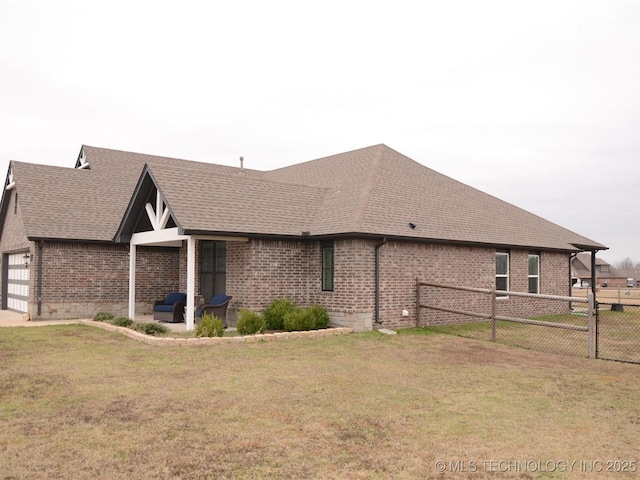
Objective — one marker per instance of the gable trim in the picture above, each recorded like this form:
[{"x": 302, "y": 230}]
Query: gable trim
[{"x": 138, "y": 205}]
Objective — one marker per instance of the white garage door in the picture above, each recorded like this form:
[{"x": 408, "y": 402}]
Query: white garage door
[{"x": 17, "y": 283}]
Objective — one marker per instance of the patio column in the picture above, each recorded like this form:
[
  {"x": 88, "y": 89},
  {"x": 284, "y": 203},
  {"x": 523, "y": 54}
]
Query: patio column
[
  {"x": 191, "y": 283},
  {"x": 132, "y": 281}
]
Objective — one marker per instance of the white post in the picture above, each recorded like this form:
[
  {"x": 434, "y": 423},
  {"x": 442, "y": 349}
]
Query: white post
[
  {"x": 132, "y": 281},
  {"x": 191, "y": 283}
]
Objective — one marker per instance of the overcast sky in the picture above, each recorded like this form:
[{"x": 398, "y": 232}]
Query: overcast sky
[{"x": 535, "y": 102}]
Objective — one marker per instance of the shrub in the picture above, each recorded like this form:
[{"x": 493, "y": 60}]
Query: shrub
[
  {"x": 250, "y": 323},
  {"x": 274, "y": 314},
  {"x": 122, "y": 321},
  {"x": 310, "y": 318},
  {"x": 103, "y": 317},
  {"x": 319, "y": 315},
  {"x": 150, "y": 328},
  {"x": 209, "y": 326},
  {"x": 297, "y": 320}
]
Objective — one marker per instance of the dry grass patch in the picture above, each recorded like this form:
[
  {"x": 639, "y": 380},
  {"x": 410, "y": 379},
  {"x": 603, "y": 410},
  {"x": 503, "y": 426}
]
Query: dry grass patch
[{"x": 78, "y": 402}]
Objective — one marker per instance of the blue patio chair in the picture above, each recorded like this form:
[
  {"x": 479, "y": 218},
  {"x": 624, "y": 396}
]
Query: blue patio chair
[
  {"x": 216, "y": 306},
  {"x": 171, "y": 309}
]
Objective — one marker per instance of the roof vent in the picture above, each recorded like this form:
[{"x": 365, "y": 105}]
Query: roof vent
[{"x": 241, "y": 165}]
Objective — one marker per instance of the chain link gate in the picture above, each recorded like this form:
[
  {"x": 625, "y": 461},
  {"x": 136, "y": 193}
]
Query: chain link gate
[{"x": 618, "y": 332}]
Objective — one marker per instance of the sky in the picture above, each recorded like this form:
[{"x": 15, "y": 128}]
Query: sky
[{"x": 534, "y": 102}]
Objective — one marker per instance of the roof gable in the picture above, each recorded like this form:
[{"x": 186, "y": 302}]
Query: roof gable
[{"x": 224, "y": 204}]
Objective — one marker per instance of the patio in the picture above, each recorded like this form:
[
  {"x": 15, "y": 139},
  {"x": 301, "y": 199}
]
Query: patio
[{"x": 176, "y": 327}]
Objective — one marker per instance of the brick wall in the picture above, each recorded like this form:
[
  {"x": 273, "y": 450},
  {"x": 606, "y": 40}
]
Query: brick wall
[
  {"x": 260, "y": 271},
  {"x": 401, "y": 263},
  {"x": 554, "y": 280},
  {"x": 80, "y": 279}
]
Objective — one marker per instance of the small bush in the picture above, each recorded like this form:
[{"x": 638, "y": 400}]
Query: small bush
[
  {"x": 103, "y": 317},
  {"x": 298, "y": 320},
  {"x": 122, "y": 321},
  {"x": 274, "y": 314},
  {"x": 311, "y": 318},
  {"x": 319, "y": 315},
  {"x": 209, "y": 326},
  {"x": 250, "y": 323},
  {"x": 150, "y": 328}
]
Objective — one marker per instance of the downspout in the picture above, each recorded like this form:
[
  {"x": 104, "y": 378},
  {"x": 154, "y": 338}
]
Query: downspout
[
  {"x": 378, "y": 246},
  {"x": 39, "y": 284}
]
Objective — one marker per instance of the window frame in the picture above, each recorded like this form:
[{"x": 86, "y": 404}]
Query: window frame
[
  {"x": 535, "y": 276},
  {"x": 502, "y": 275},
  {"x": 327, "y": 254},
  {"x": 217, "y": 275}
]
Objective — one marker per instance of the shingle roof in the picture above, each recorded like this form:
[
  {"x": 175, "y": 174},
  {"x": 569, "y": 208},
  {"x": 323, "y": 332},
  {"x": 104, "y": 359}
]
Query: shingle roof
[
  {"x": 370, "y": 191},
  {"x": 236, "y": 203},
  {"x": 377, "y": 190},
  {"x": 65, "y": 203}
]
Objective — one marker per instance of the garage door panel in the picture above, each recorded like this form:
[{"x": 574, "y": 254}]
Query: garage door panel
[{"x": 17, "y": 283}]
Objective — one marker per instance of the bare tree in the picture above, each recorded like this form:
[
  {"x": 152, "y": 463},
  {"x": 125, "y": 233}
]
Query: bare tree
[{"x": 625, "y": 264}]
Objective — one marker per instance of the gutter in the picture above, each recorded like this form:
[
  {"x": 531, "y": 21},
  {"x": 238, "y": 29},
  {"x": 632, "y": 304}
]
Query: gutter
[{"x": 378, "y": 246}]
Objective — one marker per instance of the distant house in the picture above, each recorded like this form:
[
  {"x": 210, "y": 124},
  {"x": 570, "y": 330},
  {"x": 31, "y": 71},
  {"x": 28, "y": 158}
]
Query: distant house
[
  {"x": 351, "y": 232},
  {"x": 606, "y": 274}
]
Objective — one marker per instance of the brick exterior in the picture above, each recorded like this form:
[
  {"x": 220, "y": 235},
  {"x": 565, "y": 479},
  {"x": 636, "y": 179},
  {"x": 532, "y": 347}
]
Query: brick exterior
[
  {"x": 554, "y": 280},
  {"x": 80, "y": 279},
  {"x": 260, "y": 271}
]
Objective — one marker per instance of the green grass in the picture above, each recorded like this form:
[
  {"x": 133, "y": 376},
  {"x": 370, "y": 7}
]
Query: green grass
[{"x": 79, "y": 402}]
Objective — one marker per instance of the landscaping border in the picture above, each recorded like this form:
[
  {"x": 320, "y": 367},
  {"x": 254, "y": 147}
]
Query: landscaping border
[{"x": 197, "y": 341}]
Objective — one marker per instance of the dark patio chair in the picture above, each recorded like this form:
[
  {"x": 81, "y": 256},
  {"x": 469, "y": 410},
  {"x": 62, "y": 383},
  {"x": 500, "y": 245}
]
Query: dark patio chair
[
  {"x": 217, "y": 306},
  {"x": 171, "y": 309}
]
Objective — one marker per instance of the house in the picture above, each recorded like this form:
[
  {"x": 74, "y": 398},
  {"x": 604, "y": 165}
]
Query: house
[
  {"x": 606, "y": 275},
  {"x": 351, "y": 232}
]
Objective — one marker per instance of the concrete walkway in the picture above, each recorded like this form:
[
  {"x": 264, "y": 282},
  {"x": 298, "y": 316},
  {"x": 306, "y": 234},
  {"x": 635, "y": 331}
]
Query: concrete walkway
[
  {"x": 15, "y": 319},
  {"x": 9, "y": 318}
]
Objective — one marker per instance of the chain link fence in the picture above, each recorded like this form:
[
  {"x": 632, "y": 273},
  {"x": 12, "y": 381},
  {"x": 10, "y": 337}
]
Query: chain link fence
[
  {"x": 548, "y": 323},
  {"x": 618, "y": 332}
]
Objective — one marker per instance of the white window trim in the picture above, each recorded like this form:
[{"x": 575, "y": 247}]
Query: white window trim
[
  {"x": 501, "y": 275},
  {"x": 529, "y": 276}
]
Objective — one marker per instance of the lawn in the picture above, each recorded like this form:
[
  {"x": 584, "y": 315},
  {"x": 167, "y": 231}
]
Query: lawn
[{"x": 82, "y": 403}]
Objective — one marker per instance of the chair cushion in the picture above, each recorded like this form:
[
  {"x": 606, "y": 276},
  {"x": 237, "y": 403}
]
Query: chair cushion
[
  {"x": 218, "y": 299},
  {"x": 175, "y": 297},
  {"x": 163, "y": 308}
]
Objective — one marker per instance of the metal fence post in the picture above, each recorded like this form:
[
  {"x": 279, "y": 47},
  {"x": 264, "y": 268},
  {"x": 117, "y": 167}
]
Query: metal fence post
[
  {"x": 592, "y": 329},
  {"x": 493, "y": 315}
]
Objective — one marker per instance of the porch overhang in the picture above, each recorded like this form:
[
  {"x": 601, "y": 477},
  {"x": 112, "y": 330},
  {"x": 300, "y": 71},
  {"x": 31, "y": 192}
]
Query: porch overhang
[{"x": 167, "y": 237}]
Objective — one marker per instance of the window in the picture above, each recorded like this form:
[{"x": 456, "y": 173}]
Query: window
[
  {"x": 534, "y": 273},
  {"x": 502, "y": 271},
  {"x": 327, "y": 267},
  {"x": 213, "y": 268}
]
